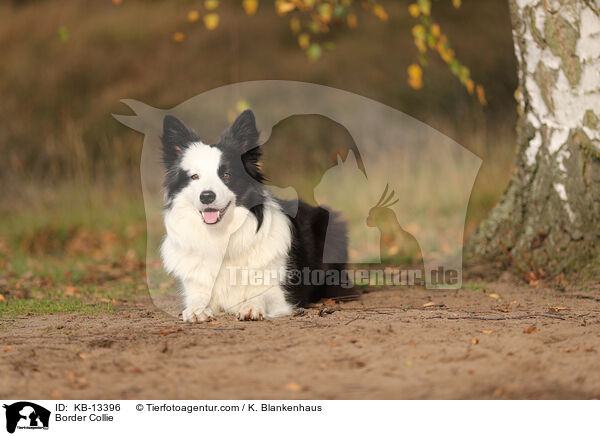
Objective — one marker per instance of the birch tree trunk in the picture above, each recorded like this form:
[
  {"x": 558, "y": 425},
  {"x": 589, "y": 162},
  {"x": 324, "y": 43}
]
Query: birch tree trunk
[{"x": 549, "y": 216}]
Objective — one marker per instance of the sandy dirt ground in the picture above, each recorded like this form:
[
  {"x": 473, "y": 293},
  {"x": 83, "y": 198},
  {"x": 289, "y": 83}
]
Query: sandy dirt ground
[{"x": 506, "y": 341}]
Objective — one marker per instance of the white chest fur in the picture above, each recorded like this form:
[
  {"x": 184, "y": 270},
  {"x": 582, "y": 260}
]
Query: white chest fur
[{"x": 204, "y": 258}]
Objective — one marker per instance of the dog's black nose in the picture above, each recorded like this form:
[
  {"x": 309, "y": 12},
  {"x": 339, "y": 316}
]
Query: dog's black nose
[{"x": 207, "y": 197}]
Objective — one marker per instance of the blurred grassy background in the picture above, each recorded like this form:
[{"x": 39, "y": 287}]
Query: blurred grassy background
[{"x": 71, "y": 193}]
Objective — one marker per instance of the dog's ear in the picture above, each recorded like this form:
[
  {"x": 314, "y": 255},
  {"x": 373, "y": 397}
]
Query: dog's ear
[
  {"x": 243, "y": 135},
  {"x": 175, "y": 139},
  {"x": 243, "y": 131}
]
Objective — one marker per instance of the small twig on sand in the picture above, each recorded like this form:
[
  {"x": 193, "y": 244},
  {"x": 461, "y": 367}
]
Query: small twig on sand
[{"x": 353, "y": 319}]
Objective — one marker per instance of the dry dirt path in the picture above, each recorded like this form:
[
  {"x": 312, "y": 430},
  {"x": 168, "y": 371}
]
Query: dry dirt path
[{"x": 404, "y": 344}]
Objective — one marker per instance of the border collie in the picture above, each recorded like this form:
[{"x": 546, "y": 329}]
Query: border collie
[{"x": 219, "y": 215}]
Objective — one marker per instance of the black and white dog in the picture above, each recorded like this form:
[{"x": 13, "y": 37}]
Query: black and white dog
[{"x": 220, "y": 217}]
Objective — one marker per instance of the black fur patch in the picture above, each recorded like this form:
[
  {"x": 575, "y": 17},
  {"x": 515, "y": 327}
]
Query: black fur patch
[
  {"x": 310, "y": 227},
  {"x": 239, "y": 145},
  {"x": 176, "y": 139}
]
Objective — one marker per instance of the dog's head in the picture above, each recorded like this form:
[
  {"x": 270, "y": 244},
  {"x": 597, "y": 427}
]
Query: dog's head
[{"x": 215, "y": 178}]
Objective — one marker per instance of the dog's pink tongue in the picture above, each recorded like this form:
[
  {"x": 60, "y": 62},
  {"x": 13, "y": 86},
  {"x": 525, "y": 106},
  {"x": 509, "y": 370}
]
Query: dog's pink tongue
[{"x": 210, "y": 217}]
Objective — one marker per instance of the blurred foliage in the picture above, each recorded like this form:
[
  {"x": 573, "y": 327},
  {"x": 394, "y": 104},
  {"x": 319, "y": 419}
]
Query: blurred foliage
[
  {"x": 313, "y": 20},
  {"x": 62, "y": 77}
]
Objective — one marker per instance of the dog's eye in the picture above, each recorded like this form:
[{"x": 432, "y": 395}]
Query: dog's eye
[
  {"x": 195, "y": 176},
  {"x": 226, "y": 176}
]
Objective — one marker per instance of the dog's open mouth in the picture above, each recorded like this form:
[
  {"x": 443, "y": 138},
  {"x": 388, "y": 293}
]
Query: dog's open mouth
[{"x": 213, "y": 216}]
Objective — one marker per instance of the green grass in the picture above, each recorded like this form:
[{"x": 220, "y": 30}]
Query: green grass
[
  {"x": 44, "y": 306},
  {"x": 474, "y": 286}
]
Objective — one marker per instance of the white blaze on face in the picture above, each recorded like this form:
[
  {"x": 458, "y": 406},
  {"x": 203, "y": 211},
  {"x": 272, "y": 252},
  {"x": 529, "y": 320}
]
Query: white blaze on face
[{"x": 205, "y": 161}]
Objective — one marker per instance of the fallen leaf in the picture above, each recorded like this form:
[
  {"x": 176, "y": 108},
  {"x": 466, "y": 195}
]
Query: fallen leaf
[
  {"x": 474, "y": 341},
  {"x": 293, "y": 387},
  {"x": 494, "y": 296},
  {"x": 71, "y": 291},
  {"x": 557, "y": 309},
  {"x": 530, "y": 329},
  {"x": 8, "y": 348},
  {"x": 487, "y": 332},
  {"x": 502, "y": 309},
  {"x": 2, "y": 297},
  {"x": 431, "y": 303}
]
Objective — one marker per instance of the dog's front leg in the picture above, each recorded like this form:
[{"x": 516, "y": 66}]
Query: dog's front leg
[{"x": 197, "y": 298}]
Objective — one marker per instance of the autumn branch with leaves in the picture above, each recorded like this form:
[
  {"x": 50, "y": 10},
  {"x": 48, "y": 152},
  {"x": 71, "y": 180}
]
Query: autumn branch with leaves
[{"x": 313, "y": 20}]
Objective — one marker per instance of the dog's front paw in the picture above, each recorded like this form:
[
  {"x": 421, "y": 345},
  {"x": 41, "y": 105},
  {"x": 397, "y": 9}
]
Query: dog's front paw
[
  {"x": 251, "y": 312},
  {"x": 197, "y": 314}
]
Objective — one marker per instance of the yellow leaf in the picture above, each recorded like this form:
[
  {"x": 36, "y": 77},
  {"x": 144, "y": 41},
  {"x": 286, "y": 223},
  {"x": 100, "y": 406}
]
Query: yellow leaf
[
  {"x": 304, "y": 40},
  {"x": 456, "y": 3},
  {"x": 250, "y": 6},
  {"x": 480, "y": 94},
  {"x": 474, "y": 341},
  {"x": 470, "y": 85},
  {"x": 193, "y": 16},
  {"x": 418, "y": 31},
  {"x": 487, "y": 332},
  {"x": 178, "y": 37},
  {"x": 380, "y": 12},
  {"x": 431, "y": 303},
  {"x": 211, "y": 21},
  {"x": 211, "y": 5},
  {"x": 283, "y": 7},
  {"x": 325, "y": 11},
  {"x": 415, "y": 77},
  {"x": 352, "y": 21},
  {"x": 494, "y": 296},
  {"x": 435, "y": 30},
  {"x": 414, "y": 10}
]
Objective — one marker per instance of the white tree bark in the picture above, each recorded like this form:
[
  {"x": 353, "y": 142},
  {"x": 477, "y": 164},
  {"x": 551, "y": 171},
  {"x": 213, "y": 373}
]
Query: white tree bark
[{"x": 550, "y": 212}]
